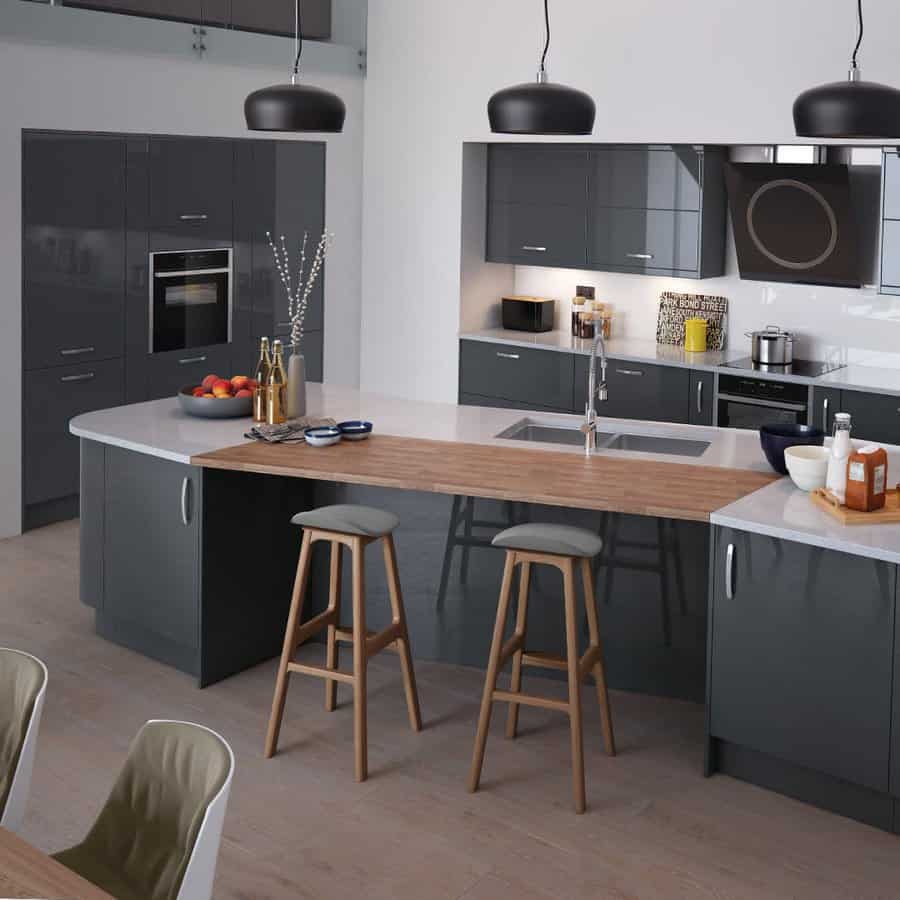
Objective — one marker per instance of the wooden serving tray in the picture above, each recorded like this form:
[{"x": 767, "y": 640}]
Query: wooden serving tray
[{"x": 887, "y": 515}]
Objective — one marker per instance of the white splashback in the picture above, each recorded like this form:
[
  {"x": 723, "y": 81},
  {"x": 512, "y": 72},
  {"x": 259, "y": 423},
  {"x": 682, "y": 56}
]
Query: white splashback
[{"x": 847, "y": 325}]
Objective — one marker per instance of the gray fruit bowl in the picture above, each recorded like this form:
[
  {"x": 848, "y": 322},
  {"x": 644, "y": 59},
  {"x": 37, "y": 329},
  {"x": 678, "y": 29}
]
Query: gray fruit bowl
[{"x": 213, "y": 407}]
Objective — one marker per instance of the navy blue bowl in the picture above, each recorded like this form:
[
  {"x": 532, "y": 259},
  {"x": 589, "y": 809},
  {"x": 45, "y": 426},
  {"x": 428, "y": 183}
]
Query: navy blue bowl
[
  {"x": 355, "y": 430},
  {"x": 775, "y": 439}
]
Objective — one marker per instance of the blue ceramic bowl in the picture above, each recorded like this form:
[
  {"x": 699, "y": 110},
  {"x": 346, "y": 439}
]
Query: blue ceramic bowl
[
  {"x": 355, "y": 430},
  {"x": 775, "y": 439},
  {"x": 322, "y": 437}
]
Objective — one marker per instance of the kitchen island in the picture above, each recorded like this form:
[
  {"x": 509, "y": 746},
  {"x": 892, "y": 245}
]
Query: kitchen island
[{"x": 188, "y": 556}]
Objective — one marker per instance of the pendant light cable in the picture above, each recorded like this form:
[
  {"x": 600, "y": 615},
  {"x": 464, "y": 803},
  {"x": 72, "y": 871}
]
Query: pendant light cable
[
  {"x": 859, "y": 36},
  {"x": 547, "y": 31},
  {"x": 298, "y": 38}
]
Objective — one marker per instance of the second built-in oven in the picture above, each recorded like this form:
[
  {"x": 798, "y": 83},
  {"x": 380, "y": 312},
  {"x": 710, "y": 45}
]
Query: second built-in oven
[
  {"x": 754, "y": 402},
  {"x": 190, "y": 299}
]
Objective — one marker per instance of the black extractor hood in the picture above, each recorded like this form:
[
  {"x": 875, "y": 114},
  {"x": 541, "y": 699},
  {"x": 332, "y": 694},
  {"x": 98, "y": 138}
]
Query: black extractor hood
[{"x": 794, "y": 223}]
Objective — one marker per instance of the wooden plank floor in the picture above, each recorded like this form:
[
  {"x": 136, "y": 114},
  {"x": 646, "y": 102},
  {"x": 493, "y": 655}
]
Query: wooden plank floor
[{"x": 298, "y": 826}]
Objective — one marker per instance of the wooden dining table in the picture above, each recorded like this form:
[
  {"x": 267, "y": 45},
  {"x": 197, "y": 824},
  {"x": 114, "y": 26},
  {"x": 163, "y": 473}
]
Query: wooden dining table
[{"x": 26, "y": 872}]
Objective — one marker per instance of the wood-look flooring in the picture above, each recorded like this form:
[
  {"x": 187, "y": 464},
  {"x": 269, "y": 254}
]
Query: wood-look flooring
[
  {"x": 298, "y": 826},
  {"x": 606, "y": 483}
]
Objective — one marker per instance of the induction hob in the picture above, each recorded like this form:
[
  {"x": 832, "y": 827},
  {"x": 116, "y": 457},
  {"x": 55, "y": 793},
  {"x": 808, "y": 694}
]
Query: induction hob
[{"x": 806, "y": 368}]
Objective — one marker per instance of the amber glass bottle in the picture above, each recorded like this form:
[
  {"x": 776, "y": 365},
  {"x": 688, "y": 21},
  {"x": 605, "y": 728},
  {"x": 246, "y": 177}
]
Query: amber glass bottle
[
  {"x": 263, "y": 367},
  {"x": 277, "y": 389}
]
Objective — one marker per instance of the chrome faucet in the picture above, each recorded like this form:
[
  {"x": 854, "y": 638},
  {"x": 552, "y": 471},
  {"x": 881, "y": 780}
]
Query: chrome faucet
[{"x": 595, "y": 392}]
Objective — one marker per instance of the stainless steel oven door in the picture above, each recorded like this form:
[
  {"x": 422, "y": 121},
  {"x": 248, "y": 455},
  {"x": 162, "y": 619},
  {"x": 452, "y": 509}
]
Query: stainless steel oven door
[{"x": 190, "y": 299}]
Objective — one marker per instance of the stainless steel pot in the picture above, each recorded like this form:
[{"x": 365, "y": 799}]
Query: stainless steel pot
[{"x": 772, "y": 347}]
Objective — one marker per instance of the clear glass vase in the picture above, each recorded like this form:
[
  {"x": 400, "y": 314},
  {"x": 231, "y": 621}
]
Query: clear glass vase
[{"x": 296, "y": 386}]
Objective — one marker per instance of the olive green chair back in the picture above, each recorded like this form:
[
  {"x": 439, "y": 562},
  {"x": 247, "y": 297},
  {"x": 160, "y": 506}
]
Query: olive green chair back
[
  {"x": 157, "y": 837},
  {"x": 23, "y": 685}
]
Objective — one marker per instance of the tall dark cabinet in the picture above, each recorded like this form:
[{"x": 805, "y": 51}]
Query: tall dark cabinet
[{"x": 94, "y": 207}]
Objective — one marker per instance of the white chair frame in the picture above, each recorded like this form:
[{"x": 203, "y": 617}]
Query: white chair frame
[{"x": 14, "y": 811}]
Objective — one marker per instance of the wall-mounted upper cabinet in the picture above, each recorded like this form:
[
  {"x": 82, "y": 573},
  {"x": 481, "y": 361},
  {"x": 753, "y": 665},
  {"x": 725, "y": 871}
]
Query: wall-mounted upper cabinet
[
  {"x": 636, "y": 209},
  {"x": 266, "y": 16},
  {"x": 277, "y": 17},
  {"x": 890, "y": 226}
]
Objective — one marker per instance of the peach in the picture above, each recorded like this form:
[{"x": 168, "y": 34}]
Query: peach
[
  {"x": 223, "y": 396},
  {"x": 252, "y": 384},
  {"x": 209, "y": 381},
  {"x": 198, "y": 391},
  {"x": 239, "y": 382},
  {"x": 210, "y": 396},
  {"x": 221, "y": 392},
  {"x": 244, "y": 393},
  {"x": 222, "y": 384}
]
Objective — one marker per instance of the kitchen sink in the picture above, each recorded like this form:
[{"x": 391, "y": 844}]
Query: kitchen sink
[{"x": 546, "y": 433}]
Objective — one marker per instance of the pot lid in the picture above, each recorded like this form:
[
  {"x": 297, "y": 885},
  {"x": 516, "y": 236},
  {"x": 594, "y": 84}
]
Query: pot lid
[{"x": 771, "y": 333}]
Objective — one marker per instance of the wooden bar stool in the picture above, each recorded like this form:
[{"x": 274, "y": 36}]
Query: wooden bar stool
[
  {"x": 354, "y": 527},
  {"x": 559, "y": 546}
]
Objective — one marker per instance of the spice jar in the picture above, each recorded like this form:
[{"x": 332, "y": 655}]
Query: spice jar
[
  {"x": 587, "y": 325},
  {"x": 577, "y": 310}
]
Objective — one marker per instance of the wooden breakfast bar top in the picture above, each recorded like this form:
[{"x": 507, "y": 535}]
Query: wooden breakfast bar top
[{"x": 604, "y": 482}]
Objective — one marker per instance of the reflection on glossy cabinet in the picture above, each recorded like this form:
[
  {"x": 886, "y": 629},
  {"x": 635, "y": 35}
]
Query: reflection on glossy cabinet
[{"x": 801, "y": 663}]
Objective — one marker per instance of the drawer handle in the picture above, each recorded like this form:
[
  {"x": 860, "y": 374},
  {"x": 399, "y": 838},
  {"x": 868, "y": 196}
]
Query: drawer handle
[
  {"x": 68, "y": 379},
  {"x": 185, "y": 489},
  {"x": 639, "y": 255},
  {"x": 76, "y": 351},
  {"x": 194, "y": 217},
  {"x": 532, "y": 249},
  {"x": 700, "y": 396},
  {"x": 729, "y": 572},
  {"x": 189, "y": 360},
  {"x": 507, "y": 355},
  {"x": 629, "y": 372},
  {"x": 825, "y": 405}
]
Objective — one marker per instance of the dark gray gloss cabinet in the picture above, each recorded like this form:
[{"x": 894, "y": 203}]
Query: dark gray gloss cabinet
[
  {"x": 51, "y": 398},
  {"x": 826, "y": 402},
  {"x": 191, "y": 192},
  {"x": 277, "y": 17},
  {"x": 151, "y": 553},
  {"x": 875, "y": 417},
  {"x": 701, "y": 401},
  {"x": 890, "y": 226},
  {"x": 802, "y": 655},
  {"x": 521, "y": 375},
  {"x": 73, "y": 246},
  {"x": 637, "y": 391}
]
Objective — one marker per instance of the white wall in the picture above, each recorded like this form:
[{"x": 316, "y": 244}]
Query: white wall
[
  {"x": 709, "y": 71},
  {"x": 73, "y": 69}
]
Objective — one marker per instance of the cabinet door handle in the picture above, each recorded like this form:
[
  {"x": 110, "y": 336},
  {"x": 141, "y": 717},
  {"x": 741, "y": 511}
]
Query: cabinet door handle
[
  {"x": 185, "y": 491},
  {"x": 533, "y": 249},
  {"x": 639, "y": 255},
  {"x": 188, "y": 360},
  {"x": 87, "y": 376},
  {"x": 729, "y": 572},
  {"x": 507, "y": 355},
  {"x": 825, "y": 415},
  {"x": 76, "y": 351},
  {"x": 700, "y": 396},
  {"x": 636, "y": 372},
  {"x": 193, "y": 217}
]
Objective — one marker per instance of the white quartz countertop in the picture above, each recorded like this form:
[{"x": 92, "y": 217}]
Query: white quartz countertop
[
  {"x": 160, "y": 428},
  {"x": 856, "y": 377}
]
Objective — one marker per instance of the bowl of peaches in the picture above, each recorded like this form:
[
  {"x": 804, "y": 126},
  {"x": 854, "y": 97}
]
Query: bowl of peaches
[{"x": 219, "y": 398}]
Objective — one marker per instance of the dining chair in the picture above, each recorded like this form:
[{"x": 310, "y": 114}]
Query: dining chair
[
  {"x": 158, "y": 836},
  {"x": 23, "y": 685}
]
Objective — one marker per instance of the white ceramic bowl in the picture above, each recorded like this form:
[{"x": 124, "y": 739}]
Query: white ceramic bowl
[
  {"x": 324, "y": 436},
  {"x": 807, "y": 466}
]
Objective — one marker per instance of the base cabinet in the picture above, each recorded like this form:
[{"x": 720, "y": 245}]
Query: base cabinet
[{"x": 802, "y": 656}]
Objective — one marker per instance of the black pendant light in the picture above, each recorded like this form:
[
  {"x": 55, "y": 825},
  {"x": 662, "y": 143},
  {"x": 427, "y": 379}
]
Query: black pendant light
[
  {"x": 849, "y": 109},
  {"x": 540, "y": 107},
  {"x": 295, "y": 107}
]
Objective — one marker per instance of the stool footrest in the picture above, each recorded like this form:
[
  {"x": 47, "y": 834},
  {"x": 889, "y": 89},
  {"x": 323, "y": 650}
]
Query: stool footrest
[
  {"x": 321, "y": 672},
  {"x": 533, "y": 700},
  {"x": 377, "y": 642},
  {"x": 345, "y": 636},
  {"x": 541, "y": 660},
  {"x": 313, "y": 626}
]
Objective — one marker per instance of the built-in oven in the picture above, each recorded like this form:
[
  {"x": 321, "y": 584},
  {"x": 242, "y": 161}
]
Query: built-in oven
[
  {"x": 190, "y": 299},
  {"x": 753, "y": 402}
]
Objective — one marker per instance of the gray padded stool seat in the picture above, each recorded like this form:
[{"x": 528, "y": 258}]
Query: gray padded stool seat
[
  {"x": 560, "y": 540},
  {"x": 363, "y": 521}
]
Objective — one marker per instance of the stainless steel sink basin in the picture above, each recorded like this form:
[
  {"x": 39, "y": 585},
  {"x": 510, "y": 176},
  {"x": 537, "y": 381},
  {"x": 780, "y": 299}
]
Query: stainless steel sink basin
[
  {"x": 652, "y": 443},
  {"x": 533, "y": 430},
  {"x": 543, "y": 432}
]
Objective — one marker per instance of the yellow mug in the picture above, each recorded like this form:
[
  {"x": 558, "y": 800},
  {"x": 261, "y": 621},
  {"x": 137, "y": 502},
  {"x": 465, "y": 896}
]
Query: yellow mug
[{"x": 695, "y": 335}]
